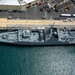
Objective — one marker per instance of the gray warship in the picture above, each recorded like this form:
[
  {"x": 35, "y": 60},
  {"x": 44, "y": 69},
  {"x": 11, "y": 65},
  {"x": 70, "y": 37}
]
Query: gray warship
[{"x": 41, "y": 36}]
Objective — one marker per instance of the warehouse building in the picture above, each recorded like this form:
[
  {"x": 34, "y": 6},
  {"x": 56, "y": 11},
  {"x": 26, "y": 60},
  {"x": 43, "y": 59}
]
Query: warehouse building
[{"x": 20, "y": 5}]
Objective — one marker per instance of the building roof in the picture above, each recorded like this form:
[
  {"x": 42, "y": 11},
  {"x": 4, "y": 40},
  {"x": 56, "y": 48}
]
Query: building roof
[
  {"x": 63, "y": 5},
  {"x": 15, "y": 2}
]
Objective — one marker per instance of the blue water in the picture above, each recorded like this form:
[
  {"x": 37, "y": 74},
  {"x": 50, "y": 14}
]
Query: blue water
[{"x": 20, "y": 60}]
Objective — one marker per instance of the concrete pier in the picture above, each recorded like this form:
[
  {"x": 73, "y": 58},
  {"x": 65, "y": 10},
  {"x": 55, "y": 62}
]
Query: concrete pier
[{"x": 18, "y": 23}]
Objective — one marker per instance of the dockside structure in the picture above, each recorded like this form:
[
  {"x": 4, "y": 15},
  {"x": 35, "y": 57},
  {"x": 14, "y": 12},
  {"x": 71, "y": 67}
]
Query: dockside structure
[{"x": 20, "y": 5}]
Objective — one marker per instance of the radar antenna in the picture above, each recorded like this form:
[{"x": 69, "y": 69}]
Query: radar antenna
[{"x": 52, "y": 25}]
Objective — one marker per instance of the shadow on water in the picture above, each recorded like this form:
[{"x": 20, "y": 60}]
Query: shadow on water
[
  {"x": 32, "y": 46},
  {"x": 69, "y": 49},
  {"x": 16, "y": 45}
]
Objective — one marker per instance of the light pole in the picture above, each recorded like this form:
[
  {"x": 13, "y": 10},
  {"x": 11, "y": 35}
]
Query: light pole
[
  {"x": 35, "y": 11},
  {"x": 26, "y": 12},
  {"x": 46, "y": 14}
]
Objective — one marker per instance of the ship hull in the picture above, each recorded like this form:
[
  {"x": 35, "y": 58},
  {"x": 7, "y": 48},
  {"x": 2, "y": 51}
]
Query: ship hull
[{"x": 52, "y": 42}]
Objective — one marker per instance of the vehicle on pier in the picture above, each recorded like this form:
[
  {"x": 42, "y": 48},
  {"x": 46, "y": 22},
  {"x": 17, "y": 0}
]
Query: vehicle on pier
[{"x": 65, "y": 15}]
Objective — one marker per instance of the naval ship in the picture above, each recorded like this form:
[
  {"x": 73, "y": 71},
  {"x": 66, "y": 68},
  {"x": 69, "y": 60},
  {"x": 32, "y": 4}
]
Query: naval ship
[{"x": 40, "y": 36}]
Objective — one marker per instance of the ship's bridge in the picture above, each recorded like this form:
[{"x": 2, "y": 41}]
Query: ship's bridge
[{"x": 26, "y": 33}]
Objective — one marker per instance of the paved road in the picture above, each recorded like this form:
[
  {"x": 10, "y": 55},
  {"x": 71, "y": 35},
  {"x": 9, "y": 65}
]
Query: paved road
[{"x": 34, "y": 13}]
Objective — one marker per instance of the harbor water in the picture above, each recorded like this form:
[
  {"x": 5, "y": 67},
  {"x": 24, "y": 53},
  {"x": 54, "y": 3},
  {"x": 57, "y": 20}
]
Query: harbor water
[{"x": 51, "y": 60}]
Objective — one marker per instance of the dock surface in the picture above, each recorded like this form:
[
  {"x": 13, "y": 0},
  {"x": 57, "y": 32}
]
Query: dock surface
[{"x": 4, "y": 23}]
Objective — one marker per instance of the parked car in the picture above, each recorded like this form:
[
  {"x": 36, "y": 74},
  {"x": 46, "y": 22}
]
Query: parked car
[
  {"x": 41, "y": 9},
  {"x": 39, "y": 4},
  {"x": 48, "y": 11},
  {"x": 9, "y": 17},
  {"x": 44, "y": 17},
  {"x": 46, "y": 8}
]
